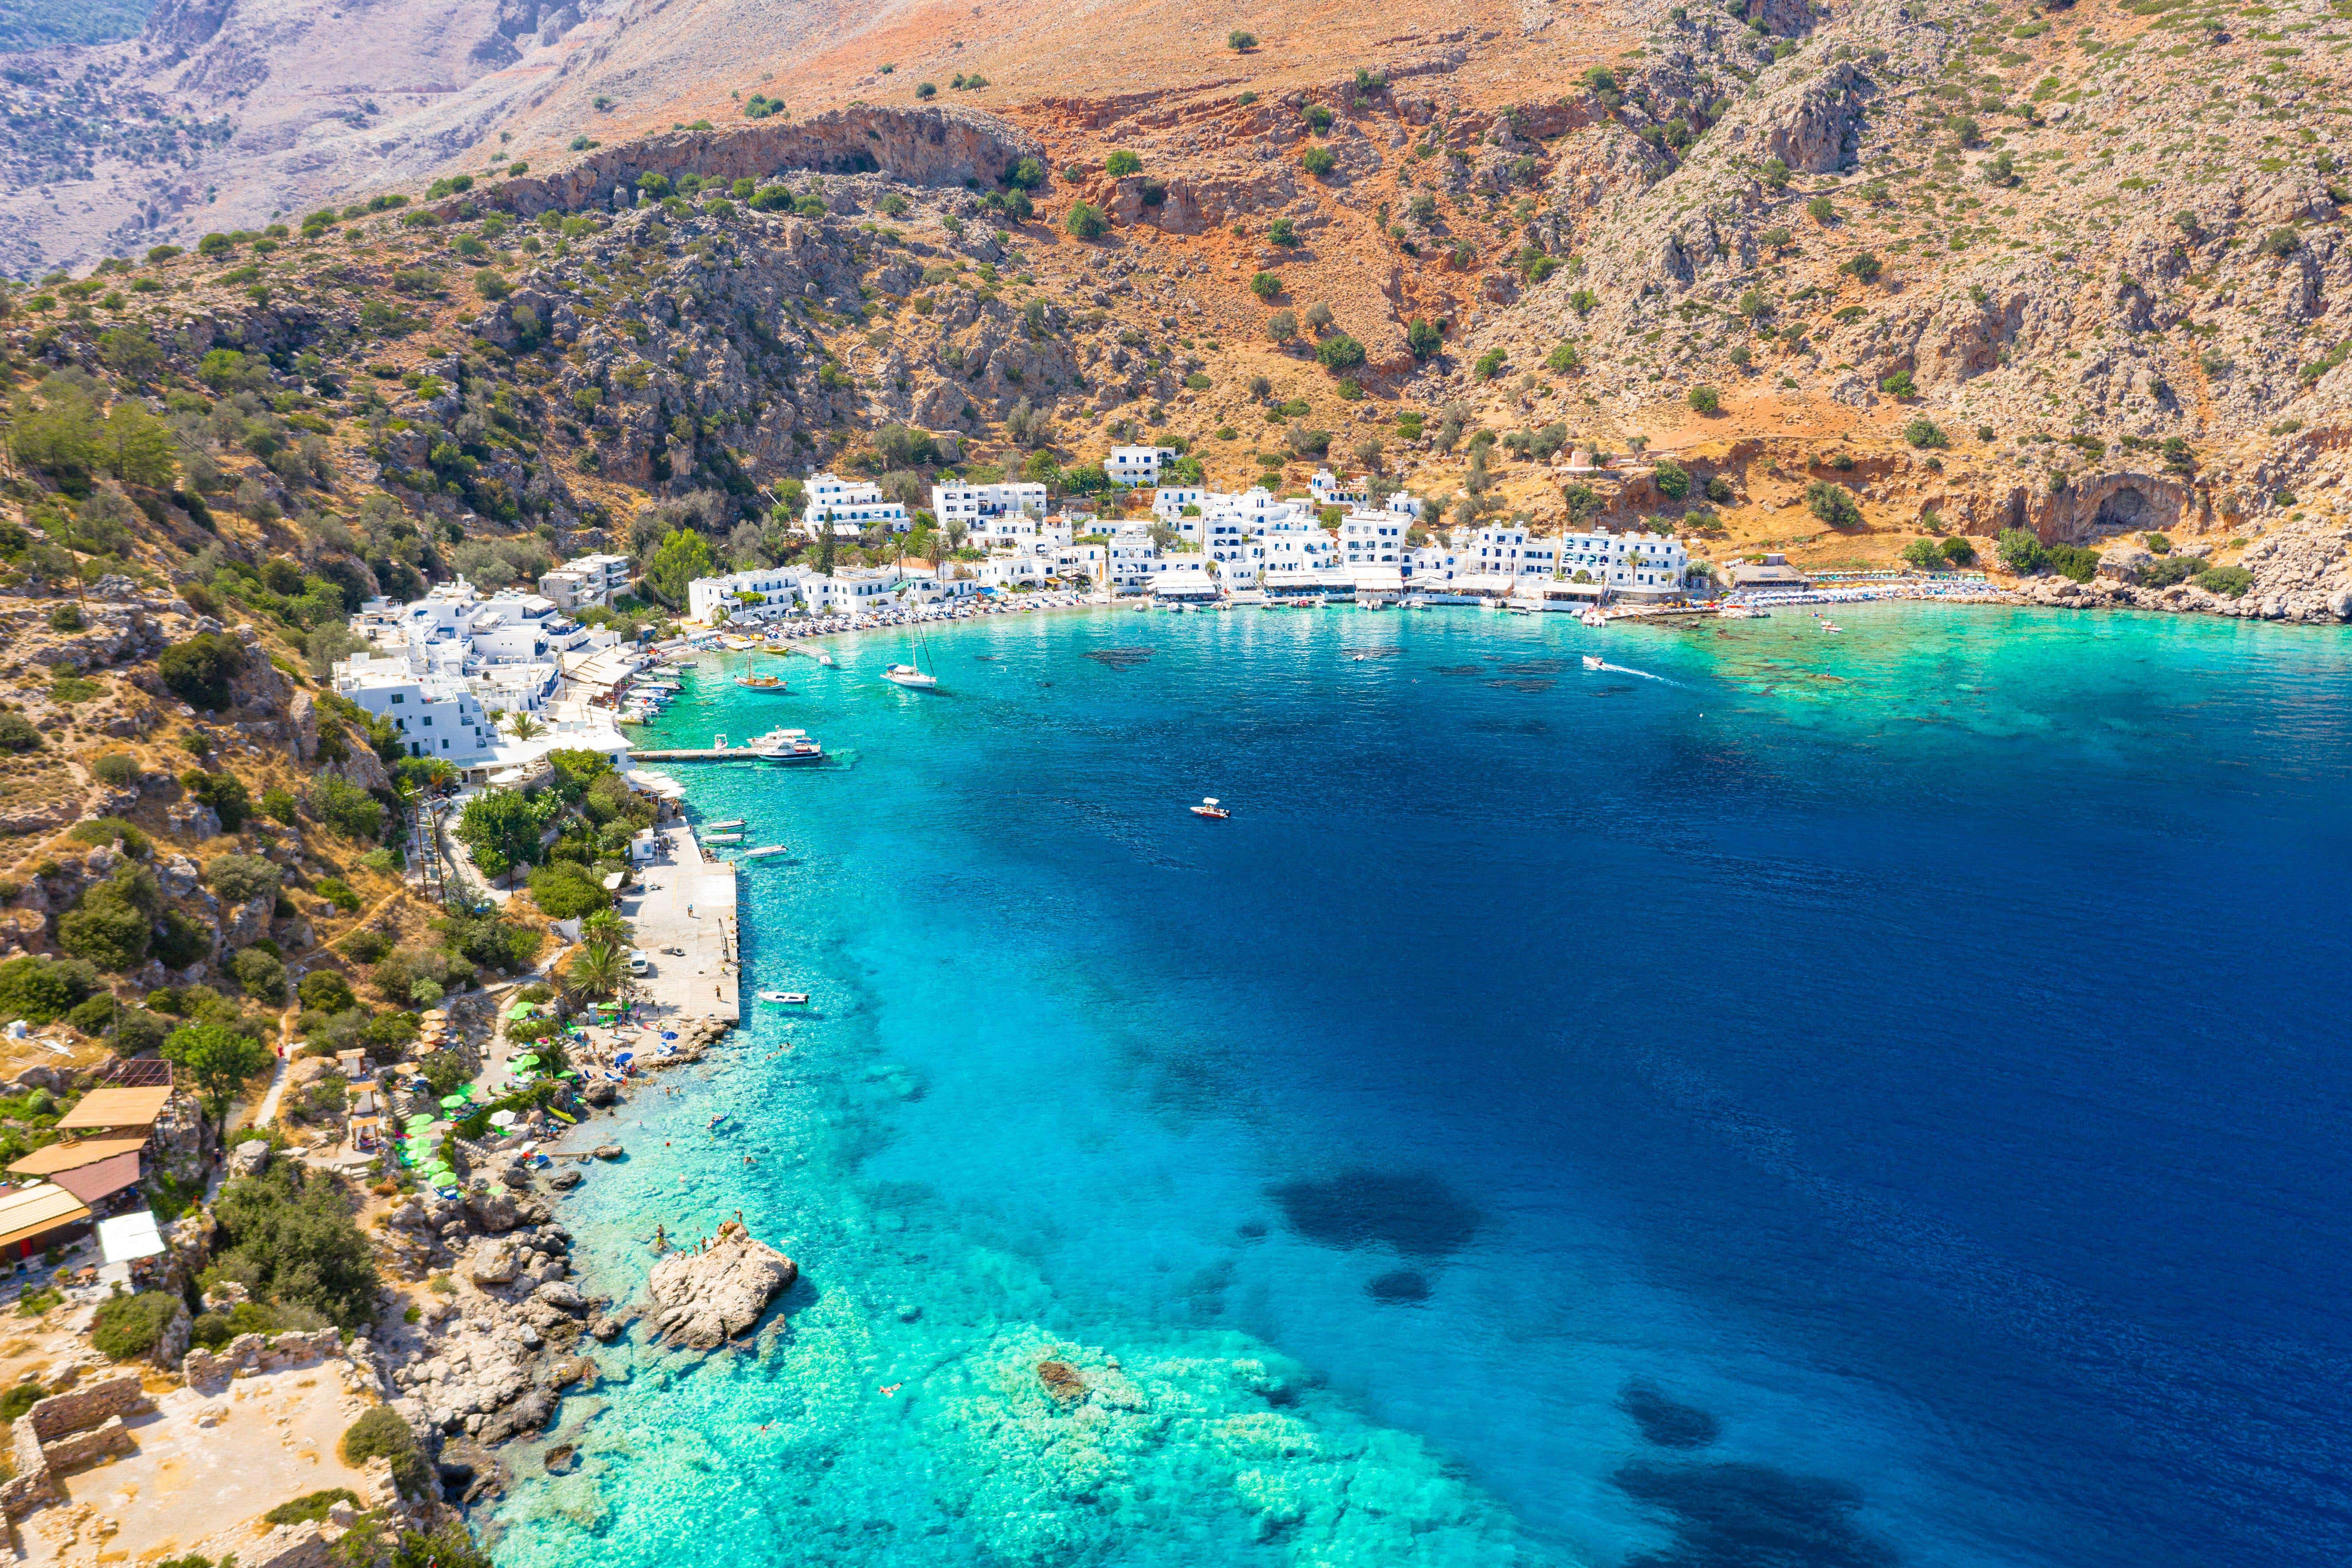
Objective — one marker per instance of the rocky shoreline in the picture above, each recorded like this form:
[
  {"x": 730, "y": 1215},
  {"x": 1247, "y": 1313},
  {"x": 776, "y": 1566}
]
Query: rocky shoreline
[{"x": 503, "y": 1336}]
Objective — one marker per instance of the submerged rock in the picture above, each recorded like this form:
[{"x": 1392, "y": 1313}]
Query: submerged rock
[{"x": 705, "y": 1297}]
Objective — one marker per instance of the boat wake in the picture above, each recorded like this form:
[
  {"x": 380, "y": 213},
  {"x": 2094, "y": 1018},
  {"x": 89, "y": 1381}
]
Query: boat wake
[{"x": 1628, "y": 670}]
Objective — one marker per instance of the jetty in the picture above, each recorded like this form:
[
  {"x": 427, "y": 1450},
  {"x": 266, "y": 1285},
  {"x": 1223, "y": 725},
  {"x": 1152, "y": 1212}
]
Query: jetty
[
  {"x": 699, "y": 754},
  {"x": 686, "y": 902}
]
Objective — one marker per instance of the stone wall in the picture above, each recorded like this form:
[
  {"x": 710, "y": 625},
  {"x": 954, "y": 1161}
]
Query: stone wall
[
  {"x": 249, "y": 1355},
  {"x": 79, "y": 1409},
  {"x": 65, "y": 1430}
]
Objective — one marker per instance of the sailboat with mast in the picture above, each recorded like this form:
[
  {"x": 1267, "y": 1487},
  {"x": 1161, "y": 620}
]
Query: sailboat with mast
[{"x": 911, "y": 676}]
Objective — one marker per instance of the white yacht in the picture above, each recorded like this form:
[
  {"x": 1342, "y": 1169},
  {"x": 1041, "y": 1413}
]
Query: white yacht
[
  {"x": 907, "y": 676},
  {"x": 786, "y": 746}
]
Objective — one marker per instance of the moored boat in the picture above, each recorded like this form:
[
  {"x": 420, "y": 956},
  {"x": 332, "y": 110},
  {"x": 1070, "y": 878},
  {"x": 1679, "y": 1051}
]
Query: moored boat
[
  {"x": 785, "y": 746},
  {"x": 907, "y": 676},
  {"x": 1211, "y": 809}
]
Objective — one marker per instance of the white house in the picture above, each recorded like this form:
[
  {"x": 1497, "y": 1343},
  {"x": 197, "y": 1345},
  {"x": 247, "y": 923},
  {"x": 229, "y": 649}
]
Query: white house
[
  {"x": 1187, "y": 583},
  {"x": 975, "y": 505},
  {"x": 1637, "y": 565},
  {"x": 849, "y": 507},
  {"x": 745, "y": 596},
  {"x": 1168, "y": 502},
  {"x": 1137, "y": 464},
  {"x": 1132, "y": 559},
  {"x": 586, "y": 580},
  {"x": 1367, "y": 537},
  {"x": 436, "y": 715},
  {"x": 1328, "y": 490}
]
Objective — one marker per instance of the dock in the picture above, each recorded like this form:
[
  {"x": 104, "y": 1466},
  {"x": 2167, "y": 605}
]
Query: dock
[
  {"x": 699, "y": 754},
  {"x": 686, "y": 900}
]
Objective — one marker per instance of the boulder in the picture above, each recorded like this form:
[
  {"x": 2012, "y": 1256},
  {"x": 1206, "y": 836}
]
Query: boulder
[
  {"x": 704, "y": 1297},
  {"x": 494, "y": 1263},
  {"x": 495, "y": 1210}
]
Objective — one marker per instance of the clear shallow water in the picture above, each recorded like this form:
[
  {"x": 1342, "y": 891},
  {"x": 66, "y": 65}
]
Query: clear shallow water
[{"x": 1850, "y": 1101}]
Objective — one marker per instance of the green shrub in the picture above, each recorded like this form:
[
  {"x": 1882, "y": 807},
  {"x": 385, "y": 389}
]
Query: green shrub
[
  {"x": 288, "y": 1238},
  {"x": 127, "y": 1326},
  {"x": 2231, "y": 582},
  {"x": 1674, "y": 480},
  {"x": 340, "y": 893},
  {"x": 1339, "y": 352},
  {"x": 241, "y": 878},
  {"x": 2021, "y": 550},
  {"x": 565, "y": 891},
  {"x": 1900, "y": 385},
  {"x": 311, "y": 1508},
  {"x": 114, "y": 829},
  {"x": 17, "y": 735},
  {"x": 1265, "y": 285},
  {"x": 261, "y": 973},
  {"x": 1087, "y": 221},
  {"x": 1488, "y": 364},
  {"x": 198, "y": 671},
  {"x": 21, "y": 1398},
  {"x": 345, "y": 807},
  {"x": 1706, "y": 399},
  {"x": 66, "y": 618},
  {"x": 1121, "y": 162},
  {"x": 1923, "y": 432},
  {"x": 1959, "y": 552},
  {"x": 42, "y": 990},
  {"x": 2073, "y": 562},
  {"x": 119, "y": 769},
  {"x": 1423, "y": 337},
  {"x": 224, "y": 793},
  {"x": 1718, "y": 489},
  {"x": 380, "y": 1433},
  {"x": 1833, "y": 504},
  {"x": 1317, "y": 161}
]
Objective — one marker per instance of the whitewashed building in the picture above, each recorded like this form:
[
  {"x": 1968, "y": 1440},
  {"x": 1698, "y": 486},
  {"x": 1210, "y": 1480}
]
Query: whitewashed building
[
  {"x": 977, "y": 505},
  {"x": 587, "y": 582},
  {"x": 1168, "y": 502},
  {"x": 1367, "y": 537},
  {"x": 849, "y": 507},
  {"x": 1137, "y": 464},
  {"x": 436, "y": 715},
  {"x": 759, "y": 596}
]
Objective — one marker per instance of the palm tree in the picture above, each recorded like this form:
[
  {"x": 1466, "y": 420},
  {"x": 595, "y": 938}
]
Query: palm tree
[
  {"x": 522, "y": 726},
  {"x": 596, "y": 971},
  {"x": 606, "y": 928}
]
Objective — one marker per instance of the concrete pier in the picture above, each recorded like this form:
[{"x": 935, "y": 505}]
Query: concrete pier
[{"x": 686, "y": 902}]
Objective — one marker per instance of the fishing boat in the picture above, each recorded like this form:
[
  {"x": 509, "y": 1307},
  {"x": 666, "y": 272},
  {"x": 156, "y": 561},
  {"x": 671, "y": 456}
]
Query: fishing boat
[
  {"x": 1592, "y": 663},
  {"x": 1211, "y": 809},
  {"x": 787, "y": 997},
  {"x": 785, "y": 746},
  {"x": 764, "y": 849},
  {"x": 762, "y": 682}
]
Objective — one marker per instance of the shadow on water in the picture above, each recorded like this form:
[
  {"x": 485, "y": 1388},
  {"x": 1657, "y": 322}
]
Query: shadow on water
[
  {"x": 1399, "y": 1288},
  {"x": 1751, "y": 1516},
  {"x": 1120, "y": 657},
  {"x": 1416, "y": 1214},
  {"x": 1665, "y": 1422}
]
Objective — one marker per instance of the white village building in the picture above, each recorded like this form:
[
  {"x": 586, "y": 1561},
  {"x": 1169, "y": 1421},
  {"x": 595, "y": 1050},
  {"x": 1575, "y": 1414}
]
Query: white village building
[{"x": 849, "y": 507}]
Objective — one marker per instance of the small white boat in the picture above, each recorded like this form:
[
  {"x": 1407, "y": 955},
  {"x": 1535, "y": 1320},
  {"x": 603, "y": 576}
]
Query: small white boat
[
  {"x": 1210, "y": 808},
  {"x": 907, "y": 676},
  {"x": 763, "y": 849},
  {"x": 1831, "y": 627},
  {"x": 787, "y": 997},
  {"x": 1594, "y": 617},
  {"x": 1592, "y": 663},
  {"x": 730, "y": 822},
  {"x": 786, "y": 746}
]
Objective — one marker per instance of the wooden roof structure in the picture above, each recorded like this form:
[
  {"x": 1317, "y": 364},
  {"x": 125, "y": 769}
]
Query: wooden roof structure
[
  {"x": 35, "y": 1211},
  {"x": 70, "y": 1156},
  {"x": 123, "y": 1108}
]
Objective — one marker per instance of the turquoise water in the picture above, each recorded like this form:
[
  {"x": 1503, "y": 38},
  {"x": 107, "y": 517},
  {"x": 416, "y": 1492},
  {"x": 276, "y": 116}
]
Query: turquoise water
[{"x": 1794, "y": 1100}]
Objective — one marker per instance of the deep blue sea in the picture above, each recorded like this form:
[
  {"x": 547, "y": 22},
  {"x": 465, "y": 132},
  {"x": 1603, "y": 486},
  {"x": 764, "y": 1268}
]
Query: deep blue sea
[{"x": 1790, "y": 1100}]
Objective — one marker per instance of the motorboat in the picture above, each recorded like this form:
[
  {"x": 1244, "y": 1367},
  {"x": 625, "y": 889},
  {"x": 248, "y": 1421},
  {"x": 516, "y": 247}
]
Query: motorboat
[
  {"x": 1592, "y": 663},
  {"x": 907, "y": 676},
  {"x": 722, "y": 838},
  {"x": 764, "y": 849},
  {"x": 1831, "y": 627},
  {"x": 1594, "y": 617},
  {"x": 786, "y": 997},
  {"x": 1414, "y": 602},
  {"x": 730, "y": 822},
  {"x": 785, "y": 746},
  {"x": 1211, "y": 809}
]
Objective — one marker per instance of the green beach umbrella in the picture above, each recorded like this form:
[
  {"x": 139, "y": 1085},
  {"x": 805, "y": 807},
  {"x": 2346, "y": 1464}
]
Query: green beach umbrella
[
  {"x": 524, "y": 1062},
  {"x": 452, "y": 1101},
  {"x": 421, "y": 1118}
]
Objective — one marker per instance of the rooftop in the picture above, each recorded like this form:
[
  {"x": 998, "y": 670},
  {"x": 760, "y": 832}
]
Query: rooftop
[{"x": 115, "y": 1108}]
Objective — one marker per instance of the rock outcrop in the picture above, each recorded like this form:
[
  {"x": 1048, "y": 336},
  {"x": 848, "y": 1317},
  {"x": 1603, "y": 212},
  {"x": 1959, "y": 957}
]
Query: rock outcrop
[{"x": 704, "y": 1297}]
